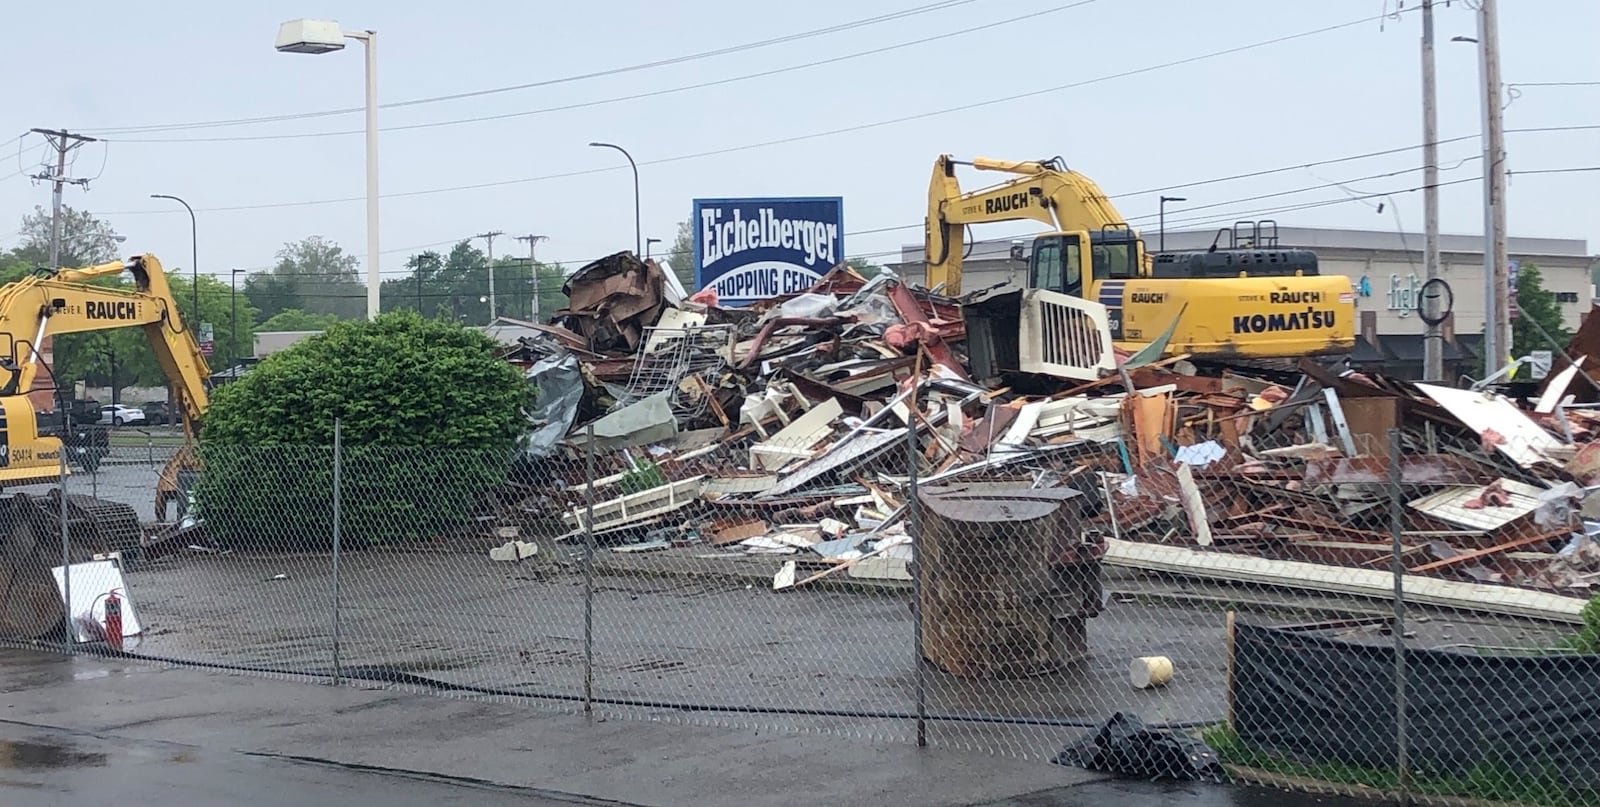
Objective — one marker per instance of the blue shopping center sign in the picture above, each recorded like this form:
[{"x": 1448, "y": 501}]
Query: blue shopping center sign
[{"x": 754, "y": 249}]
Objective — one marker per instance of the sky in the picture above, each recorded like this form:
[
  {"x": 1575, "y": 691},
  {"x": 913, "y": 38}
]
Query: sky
[{"x": 1140, "y": 95}]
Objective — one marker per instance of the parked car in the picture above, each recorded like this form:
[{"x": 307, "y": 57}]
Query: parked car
[
  {"x": 159, "y": 413},
  {"x": 120, "y": 415}
]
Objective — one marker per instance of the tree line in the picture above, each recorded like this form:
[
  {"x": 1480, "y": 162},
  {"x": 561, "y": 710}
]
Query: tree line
[{"x": 312, "y": 283}]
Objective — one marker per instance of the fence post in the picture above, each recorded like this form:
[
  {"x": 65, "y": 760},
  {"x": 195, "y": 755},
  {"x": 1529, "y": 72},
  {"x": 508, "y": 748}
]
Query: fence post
[
  {"x": 66, "y": 560},
  {"x": 338, "y": 538},
  {"x": 914, "y": 529},
  {"x": 1397, "y": 564},
  {"x": 588, "y": 570}
]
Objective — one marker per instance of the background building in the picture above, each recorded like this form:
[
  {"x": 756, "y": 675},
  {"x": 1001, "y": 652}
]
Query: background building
[{"x": 1385, "y": 269}]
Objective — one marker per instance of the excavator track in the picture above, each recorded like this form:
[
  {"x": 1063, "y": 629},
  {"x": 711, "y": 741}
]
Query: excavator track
[{"x": 31, "y": 546}]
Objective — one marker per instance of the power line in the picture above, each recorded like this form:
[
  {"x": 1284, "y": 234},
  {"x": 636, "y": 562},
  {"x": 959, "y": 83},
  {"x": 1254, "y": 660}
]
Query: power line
[
  {"x": 590, "y": 171},
  {"x": 917, "y": 116},
  {"x": 1555, "y": 171},
  {"x": 1555, "y": 84},
  {"x": 616, "y": 99},
  {"x": 1197, "y": 220},
  {"x": 1324, "y": 186},
  {"x": 816, "y": 32}
]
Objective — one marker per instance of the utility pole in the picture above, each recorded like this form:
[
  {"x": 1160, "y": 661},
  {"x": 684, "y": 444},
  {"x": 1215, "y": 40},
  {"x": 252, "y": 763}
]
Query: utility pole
[
  {"x": 533, "y": 269},
  {"x": 64, "y": 142},
  {"x": 1494, "y": 168},
  {"x": 1432, "y": 342},
  {"x": 489, "y": 237}
]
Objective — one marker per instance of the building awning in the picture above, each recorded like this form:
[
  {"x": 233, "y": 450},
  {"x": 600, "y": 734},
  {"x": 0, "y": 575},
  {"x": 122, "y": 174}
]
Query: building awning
[
  {"x": 1408, "y": 347},
  {"x": 1365, "y": 353}
]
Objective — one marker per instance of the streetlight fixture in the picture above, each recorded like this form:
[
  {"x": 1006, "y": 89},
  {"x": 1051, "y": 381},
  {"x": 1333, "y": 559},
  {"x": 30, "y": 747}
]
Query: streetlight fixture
[
  {"x": 647, "y": 243},
  {"x": 1164, "y": 200},
  {"x": 325, "y": 36},
  {"x": 638, "y": 244},
  {"x": 194, "y": 252}
]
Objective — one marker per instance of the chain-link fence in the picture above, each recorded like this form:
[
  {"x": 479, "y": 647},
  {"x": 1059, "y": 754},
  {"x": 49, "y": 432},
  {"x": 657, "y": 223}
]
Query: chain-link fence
[{"x": 1403, "y": 612}]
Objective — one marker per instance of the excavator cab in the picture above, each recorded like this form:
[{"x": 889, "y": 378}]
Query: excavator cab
[{"x": 1058, "y": 265}]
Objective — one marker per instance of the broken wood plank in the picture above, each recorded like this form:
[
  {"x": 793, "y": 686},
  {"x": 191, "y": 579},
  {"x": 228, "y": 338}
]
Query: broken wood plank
[
  {"x": 1379, "y": 585},
  {"x": 1506, "y": 546}
]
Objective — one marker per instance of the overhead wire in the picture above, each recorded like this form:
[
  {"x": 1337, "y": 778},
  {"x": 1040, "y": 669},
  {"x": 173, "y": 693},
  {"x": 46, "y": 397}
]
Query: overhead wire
[
  {"x": 621, "y": 98},
  {"x": 815, "y": 32},
  {"x": 933, "y": 113},
  {"x": 589, "y": 171},
  {"x": 1352, "y": 196},
  {"x": 780, "y": 141},
  {"x": 616, "y": 99}
]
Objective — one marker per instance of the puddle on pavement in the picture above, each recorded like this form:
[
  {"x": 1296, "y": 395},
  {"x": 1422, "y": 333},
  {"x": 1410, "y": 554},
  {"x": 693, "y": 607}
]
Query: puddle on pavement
[{"x": 37, "y": 756}]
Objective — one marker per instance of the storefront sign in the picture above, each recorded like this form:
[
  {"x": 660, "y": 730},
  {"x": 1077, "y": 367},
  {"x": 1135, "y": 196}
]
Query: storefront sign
[
  {"x": 754, "y": 249},
  {"x": 1404, "y": 293}
]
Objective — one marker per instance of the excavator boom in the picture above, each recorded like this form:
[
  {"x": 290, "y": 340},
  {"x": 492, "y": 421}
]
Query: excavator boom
[{"x": 45, "y": 305}]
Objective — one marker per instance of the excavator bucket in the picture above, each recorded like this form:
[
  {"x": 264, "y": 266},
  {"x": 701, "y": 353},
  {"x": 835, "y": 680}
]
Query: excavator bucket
[
  {"x": 31, "y": 547},
  {"x": 170, "y": 484}
]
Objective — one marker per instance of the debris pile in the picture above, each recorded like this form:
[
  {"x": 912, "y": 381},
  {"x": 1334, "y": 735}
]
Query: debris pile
[{"x": 790, "y": 427}]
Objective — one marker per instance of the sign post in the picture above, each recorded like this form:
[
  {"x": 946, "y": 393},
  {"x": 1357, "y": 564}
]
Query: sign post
[{"x": 756, "y": 249}]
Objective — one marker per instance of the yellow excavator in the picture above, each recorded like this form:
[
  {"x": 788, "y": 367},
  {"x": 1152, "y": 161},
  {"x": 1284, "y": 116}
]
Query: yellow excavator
[
  {"x": 46, "y": 304},
  {"x": 35, "y": 530},
  {"x": 1253, "y": 302}
]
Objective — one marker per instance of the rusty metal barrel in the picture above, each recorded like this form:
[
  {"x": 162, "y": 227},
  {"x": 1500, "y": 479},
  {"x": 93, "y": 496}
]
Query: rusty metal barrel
[{"x": 1004, "y": 594}]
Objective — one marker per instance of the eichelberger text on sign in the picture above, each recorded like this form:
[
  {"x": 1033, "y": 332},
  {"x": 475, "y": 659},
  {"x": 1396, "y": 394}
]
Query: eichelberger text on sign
[{"x": 753, "y": 249}]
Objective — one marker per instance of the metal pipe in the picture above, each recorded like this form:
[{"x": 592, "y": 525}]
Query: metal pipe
[
  {"x": 338, "y": 518},
  {"x": 66, "y": 560},
  {"x": 914, "y": 530},
  {"x": 1397, "y": 565},
  {"x": 588, "y": 572}
]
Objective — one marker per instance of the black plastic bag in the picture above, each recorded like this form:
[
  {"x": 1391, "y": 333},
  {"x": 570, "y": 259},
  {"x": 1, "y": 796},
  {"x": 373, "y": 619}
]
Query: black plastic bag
[{"x": 1125, "y": 746}]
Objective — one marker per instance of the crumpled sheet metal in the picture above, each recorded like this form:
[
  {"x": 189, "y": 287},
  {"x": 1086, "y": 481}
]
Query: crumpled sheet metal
[{"x": 559, "y": 381}]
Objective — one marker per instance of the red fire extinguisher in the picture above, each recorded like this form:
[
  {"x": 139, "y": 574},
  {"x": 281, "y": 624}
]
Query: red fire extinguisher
[{"x": 114, "y": 620}]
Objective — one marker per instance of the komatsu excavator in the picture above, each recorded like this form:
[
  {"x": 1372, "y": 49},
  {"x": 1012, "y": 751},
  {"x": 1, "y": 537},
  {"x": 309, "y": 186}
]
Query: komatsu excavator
[
  {"x": 1227, "y": 304},
  {"x": 46, "y": 304}
]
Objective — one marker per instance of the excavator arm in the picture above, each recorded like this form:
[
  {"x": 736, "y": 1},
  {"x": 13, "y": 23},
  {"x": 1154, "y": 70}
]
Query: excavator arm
[
  {"x": 1045, "y": 191},
  {"x": 44, "y": 305},
  {"x": 68, "y": 303}
]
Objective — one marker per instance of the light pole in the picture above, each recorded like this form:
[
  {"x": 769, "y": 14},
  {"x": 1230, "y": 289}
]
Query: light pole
[
  {"x": 1496, "y": 284},
  {"x": 233, "y": 329},
  {"x": 1163, "y": 225},
  {"x": 638, "y": 246},
  {"x": 1432, "y": 339},
  {"x": 647, "y": 243},
  {"x": 194, "y": 252},
  {"x": 325, "y": 36}
]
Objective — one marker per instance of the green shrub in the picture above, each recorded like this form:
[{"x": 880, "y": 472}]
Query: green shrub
[
  {"x": 643, "y": 476},
  {"x": 430, "y": 421},
  {"x": 1588, "y": 638}
]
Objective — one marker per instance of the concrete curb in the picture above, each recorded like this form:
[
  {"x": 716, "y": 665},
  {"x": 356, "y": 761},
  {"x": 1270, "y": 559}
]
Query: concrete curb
[{"x": 1255, "y": 776}]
